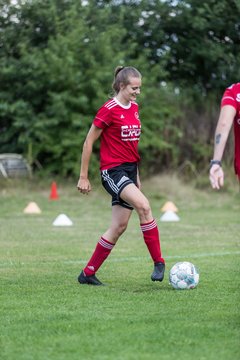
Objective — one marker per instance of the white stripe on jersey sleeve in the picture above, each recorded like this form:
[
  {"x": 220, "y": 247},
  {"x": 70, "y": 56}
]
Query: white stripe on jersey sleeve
[{"x": 111, "y": 104}]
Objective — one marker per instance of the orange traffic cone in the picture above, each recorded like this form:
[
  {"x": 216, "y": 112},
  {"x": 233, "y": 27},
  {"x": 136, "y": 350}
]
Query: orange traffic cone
[{"x": 53, "y": 194}]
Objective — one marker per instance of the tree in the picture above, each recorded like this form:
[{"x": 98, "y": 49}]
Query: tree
[
  {"x": 56, "y": 65},
  {"x": 203, "y": 40},
  {"x": 55, "y": 75}
]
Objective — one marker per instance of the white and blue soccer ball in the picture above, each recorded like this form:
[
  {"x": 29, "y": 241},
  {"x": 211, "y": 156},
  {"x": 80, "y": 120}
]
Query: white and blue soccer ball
[{"x": 184, "y": 275}]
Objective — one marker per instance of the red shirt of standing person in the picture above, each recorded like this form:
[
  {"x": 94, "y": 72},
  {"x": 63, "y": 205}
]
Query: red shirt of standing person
[
  {"x": 118, "y": 126},
  {"x": 229, "y": 115}
]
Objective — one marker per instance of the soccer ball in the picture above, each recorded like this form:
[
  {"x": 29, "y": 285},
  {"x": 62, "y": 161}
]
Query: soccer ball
[{"x": 184, "y": 275}]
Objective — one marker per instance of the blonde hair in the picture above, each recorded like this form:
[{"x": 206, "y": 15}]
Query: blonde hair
[{"x": 122, "y": 75}]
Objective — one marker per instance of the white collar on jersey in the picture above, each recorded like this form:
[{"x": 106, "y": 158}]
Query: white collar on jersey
[{"x": 120, "y": 104}]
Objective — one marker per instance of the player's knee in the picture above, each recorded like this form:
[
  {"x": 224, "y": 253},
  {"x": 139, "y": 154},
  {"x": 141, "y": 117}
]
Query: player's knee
[{"x": 144, "y": 209}]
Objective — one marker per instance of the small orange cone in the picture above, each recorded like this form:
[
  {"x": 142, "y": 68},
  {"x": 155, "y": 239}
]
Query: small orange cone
[
  {"x": 32, "y": 208},
  {"x": 169, "y": 206},
  {"x": 53, "y": 194}
]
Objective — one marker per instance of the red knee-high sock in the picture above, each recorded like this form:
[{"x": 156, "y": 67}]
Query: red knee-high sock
[
  {"x": 99, "y": 255},
  {"x": 152, "y": 240}
]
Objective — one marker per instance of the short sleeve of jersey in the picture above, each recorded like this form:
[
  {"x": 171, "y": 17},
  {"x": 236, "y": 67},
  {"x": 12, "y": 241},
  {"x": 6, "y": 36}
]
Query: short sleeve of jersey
[
  {"x": 229, "y": 98},
  {"x": 102, "y": 118}
]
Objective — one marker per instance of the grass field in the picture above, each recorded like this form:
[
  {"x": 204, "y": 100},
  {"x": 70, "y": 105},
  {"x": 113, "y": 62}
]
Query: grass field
[{"x": 47, "y": 315}]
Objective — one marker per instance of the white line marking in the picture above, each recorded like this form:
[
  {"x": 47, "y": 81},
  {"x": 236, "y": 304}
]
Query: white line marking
[
  {"x": 138, "y": 258},
  {"x": 125, "y": 259}
]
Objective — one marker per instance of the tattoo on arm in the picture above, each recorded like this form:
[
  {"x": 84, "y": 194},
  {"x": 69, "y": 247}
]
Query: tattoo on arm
[{"x": 218, "y": 138}]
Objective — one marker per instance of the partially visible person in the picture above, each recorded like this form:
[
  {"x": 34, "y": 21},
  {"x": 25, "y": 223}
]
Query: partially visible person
[
  {"x": 229, "y": 115},
  {"x": 118, "y": 126}
]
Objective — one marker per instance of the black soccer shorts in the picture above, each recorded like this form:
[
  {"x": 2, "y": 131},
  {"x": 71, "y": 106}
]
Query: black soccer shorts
[{"x": 114, "y": 180}]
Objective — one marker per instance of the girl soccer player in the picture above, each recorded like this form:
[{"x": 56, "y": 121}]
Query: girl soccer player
[
  {"x": 229, "y": 115},
  {"x": 118, "y": 126}
]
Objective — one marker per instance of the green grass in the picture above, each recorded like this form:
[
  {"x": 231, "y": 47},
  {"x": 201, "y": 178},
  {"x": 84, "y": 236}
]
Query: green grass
[{"x": 46, "y": 314}]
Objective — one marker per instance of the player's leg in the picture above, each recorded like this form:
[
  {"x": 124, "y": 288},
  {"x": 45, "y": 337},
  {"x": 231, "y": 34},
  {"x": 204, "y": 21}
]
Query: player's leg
[
  {"x": 132, "y": 195},
  {"x": 119, "y": 222}
]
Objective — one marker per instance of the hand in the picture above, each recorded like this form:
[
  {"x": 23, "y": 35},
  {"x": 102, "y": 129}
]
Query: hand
[
  {"x": 84, "y": 185},
  {"x": 216, "y": 176}
]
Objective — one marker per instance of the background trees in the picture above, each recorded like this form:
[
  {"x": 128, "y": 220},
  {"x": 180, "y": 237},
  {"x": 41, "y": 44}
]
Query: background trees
[{"x": 56, "y": 65}]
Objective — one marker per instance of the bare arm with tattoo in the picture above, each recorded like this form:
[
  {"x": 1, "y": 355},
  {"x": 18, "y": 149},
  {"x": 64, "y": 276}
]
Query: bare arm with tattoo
[{"x": 225, "y": 121}]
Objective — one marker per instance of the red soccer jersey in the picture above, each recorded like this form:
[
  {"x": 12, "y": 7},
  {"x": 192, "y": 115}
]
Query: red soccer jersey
[
  {"x": 231, "y": 97},
  {"x": 121, "y": 132}
]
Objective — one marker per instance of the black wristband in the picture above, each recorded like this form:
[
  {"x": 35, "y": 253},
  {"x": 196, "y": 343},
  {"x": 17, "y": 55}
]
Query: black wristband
[{"x": 215, "y": 162}]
